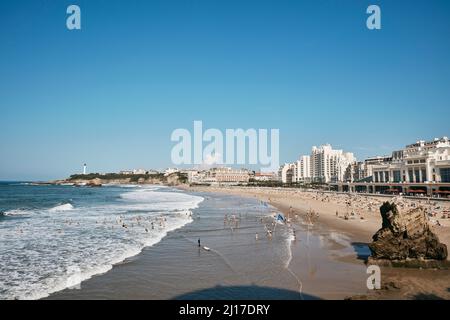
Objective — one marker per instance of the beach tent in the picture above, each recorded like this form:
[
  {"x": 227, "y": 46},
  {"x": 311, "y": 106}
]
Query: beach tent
[{"x": 280, "y": 218}]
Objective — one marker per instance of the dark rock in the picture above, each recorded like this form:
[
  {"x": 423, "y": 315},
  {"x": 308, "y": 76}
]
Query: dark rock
[
  {"x": 405, "y": 235},
  {"x": 391, "y": 286},
  {"x": 94, "y": 183}
]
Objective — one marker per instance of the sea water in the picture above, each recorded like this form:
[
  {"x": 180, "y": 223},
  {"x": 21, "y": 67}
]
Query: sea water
[{"x": 55, "y": 237}]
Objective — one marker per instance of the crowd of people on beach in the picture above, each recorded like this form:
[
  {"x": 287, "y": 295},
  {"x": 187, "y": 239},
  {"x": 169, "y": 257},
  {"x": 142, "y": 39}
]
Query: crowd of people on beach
[
  {"x": 357, "y": 205},
  {"x": 269, "y": 223}
]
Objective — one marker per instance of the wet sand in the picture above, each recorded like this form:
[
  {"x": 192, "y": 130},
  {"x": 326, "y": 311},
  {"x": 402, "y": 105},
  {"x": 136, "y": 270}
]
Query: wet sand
[
  {"x": 358, "y": 228},
  {"x": 316, "y": 264}
]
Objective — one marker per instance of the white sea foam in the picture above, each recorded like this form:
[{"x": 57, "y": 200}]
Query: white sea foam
[
  {"x": 50, "y": 252},
  {"x": 62, "y": 207},
  {"x": 16, "y": 212}
]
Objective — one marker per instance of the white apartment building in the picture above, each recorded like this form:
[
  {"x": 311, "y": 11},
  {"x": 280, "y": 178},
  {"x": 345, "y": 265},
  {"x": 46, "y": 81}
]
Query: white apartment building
[
  {"x": 328, "y": 164},
  {"x": 303, "y": 169},
  {"x": 286, "y": 173},
  {"x": 323, "y": 165}
]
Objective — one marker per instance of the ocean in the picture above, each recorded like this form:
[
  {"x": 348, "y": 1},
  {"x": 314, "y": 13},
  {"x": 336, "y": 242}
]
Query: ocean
[
  {"x": 141, "y": 242},
  {"x": 55, "y": 237}
]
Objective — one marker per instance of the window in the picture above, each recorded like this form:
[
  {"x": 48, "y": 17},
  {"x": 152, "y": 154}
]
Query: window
[
  {"x": 445, "y": 174},
  {"x": 424, "y": 175},
  {"x": 397, "y": 176},
  {"x": 411, "y": 176},
  {"x": 417, "y": 175}
]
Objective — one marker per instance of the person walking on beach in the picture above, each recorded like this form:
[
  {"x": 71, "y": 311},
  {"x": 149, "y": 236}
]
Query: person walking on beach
[{"x": 199, "y": 244}]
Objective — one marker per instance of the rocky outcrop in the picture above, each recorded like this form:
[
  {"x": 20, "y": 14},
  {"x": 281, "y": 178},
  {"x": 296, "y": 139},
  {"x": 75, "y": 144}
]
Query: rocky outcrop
[
  {"x": 94, "y": 183},
  {"x": 405, "y": 235}
]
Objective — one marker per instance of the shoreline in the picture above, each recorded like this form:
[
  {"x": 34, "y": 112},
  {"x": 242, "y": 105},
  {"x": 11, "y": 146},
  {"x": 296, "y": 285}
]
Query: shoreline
[
  {"x": 272, "y": 268},
  {"x": 397, "y": 283}
]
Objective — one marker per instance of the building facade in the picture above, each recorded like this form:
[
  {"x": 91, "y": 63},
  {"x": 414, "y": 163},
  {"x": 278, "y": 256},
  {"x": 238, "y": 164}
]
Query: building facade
[
  {"x": 286, "y": 173},
  {"x": 228, "y": 175},
  {"x": 421, "y": 162},
  {"x": 324, "y": 165},
  {"x": 218, "y": 176},
  {"x": 303, "y": 169},
  {"x": 329, "y": 165},
  {"x": 265, "y": 176}
]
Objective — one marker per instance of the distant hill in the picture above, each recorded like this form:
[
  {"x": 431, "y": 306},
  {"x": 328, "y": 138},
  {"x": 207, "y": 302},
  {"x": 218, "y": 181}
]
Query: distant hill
[{"x": 97, "y": 179}]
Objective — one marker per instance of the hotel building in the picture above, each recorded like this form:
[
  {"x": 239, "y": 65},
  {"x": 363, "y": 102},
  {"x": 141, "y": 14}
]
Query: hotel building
[
  {"x": 421, "y": 162},
  {"x": 219, "y": 176},
  {"x": 325, "y": 165},
  {"x": 329, "y": 165},
  {"x": 422, "y": 167}
]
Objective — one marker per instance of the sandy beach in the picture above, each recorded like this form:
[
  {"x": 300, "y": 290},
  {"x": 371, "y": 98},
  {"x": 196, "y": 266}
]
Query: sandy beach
[{"x": 358, "y": 217}]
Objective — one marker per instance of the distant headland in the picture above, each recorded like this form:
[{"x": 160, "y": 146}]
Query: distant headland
[{"x": 98, "y": 179}]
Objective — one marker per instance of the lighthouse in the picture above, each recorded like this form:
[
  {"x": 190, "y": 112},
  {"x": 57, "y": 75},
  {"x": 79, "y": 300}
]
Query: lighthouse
[{"x": 84, "y": 168}]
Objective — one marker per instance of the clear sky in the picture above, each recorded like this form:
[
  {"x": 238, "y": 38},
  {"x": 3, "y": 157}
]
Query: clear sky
[{"x": 112, "y": 93}]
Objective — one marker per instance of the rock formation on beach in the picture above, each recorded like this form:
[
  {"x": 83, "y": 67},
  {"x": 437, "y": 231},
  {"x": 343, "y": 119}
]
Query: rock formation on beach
[{"x": 405, "y": 234}]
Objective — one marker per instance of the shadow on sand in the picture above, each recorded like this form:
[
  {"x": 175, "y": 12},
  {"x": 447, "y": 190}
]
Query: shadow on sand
[
  {"x": 427, "y": 296},
  {"x": 252, "y": 292}
]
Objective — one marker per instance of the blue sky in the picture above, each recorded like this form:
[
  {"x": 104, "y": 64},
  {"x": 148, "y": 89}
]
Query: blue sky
[{"x": 111, "y": 94}]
